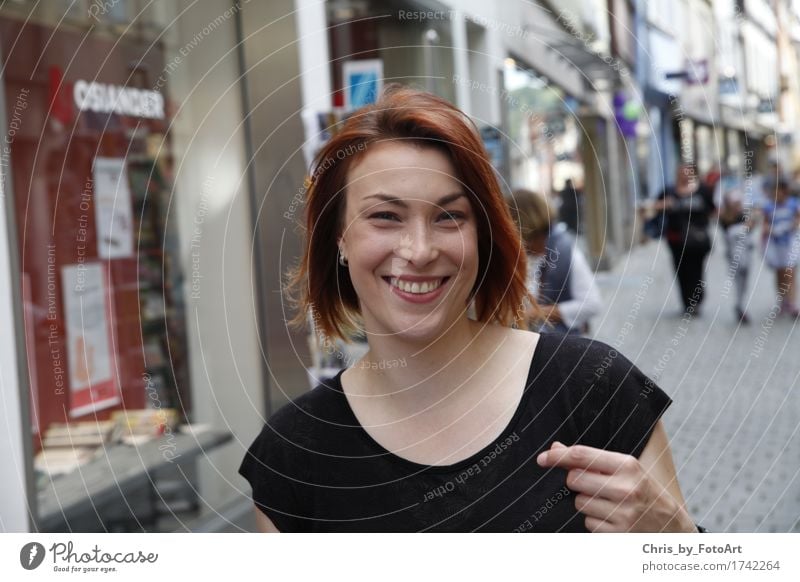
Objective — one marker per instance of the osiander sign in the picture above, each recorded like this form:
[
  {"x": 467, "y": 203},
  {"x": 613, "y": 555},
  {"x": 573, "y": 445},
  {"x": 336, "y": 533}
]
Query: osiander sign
[{"x": 102, "y": 98}]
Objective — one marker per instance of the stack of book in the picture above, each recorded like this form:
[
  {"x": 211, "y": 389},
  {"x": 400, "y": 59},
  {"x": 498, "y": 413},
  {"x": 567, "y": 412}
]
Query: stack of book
[
  {"x": 67, "y": 446},
  {"x": 139, "y": 425},
  {"x": 60, "y": 461},
  {"x": 92, "y": 433}
]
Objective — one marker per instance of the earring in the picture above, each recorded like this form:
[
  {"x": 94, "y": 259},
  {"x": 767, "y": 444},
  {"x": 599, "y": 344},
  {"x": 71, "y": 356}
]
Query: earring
[{"x": 342, "y": 259}]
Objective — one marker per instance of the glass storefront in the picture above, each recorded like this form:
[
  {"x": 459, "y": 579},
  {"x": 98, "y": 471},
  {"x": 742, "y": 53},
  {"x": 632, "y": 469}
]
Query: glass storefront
[
  {"x": 106, "y": 257},
  {"x": 543, "y": 130},
  {"x": 91, "y": 169}
]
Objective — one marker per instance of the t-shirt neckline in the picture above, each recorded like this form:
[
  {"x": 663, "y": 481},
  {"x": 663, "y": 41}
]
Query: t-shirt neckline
[{"x": 533, "y": 375}]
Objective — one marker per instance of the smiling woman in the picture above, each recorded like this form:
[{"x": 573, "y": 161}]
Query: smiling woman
[
  {"x": 484, "y": 427},
  {"x": 412, "y": 254},
  {"x": 405, "y": 123}
]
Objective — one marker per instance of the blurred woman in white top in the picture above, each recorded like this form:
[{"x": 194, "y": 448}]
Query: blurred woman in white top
[{"x": 559, "y": 275}]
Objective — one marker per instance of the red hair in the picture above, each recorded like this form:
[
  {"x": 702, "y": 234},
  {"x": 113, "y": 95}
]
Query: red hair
[{"x": 322, "y": 285}]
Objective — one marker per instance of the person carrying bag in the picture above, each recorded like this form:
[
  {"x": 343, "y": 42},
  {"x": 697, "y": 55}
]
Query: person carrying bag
[{"x": 687, "y": 208}]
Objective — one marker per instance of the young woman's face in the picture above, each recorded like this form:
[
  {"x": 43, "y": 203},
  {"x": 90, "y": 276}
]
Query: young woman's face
[{"x": 410, "y": 240}]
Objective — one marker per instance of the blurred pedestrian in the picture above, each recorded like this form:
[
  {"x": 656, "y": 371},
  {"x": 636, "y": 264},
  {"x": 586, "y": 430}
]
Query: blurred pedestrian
[
  {"x": 761, "y": 180},
  {"x": 781, "y": 240},
  {"x": 687, "y": 209},
  {"x": 571, "y": 209},
  {"x": 736, "y": 220},
  {"x": 559, "y": 275}
]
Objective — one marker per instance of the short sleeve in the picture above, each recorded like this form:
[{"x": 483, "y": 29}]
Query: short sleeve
[
  {"x": 267, "y": 468},
  {"x": 624, "y": 405}
]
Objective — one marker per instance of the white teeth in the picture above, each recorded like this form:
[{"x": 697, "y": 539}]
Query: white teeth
[{"x": 418, "y": 288}]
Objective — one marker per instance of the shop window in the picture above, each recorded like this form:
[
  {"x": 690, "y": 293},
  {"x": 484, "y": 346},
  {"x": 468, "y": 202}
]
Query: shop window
[{"x": 88, "y": 150}]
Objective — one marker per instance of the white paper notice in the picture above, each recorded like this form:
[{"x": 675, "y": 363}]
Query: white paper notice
[
  {"x": 112, "y": 209},
  {"x": 92, "y": 383}
]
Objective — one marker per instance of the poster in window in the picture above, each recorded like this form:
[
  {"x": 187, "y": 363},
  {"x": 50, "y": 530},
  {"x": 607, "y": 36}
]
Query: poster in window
[
  {"x": 363, "y": 82},
  {"x": 112, "y": 206},
  {"x": 92, "y": 382}
]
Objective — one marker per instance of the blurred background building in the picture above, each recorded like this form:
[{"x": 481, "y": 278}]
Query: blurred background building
[{"x": 153, "y": 165}]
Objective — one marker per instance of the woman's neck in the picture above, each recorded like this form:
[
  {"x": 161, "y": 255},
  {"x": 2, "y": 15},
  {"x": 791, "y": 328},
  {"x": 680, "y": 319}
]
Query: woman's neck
[{"x": 416, "y": 375}]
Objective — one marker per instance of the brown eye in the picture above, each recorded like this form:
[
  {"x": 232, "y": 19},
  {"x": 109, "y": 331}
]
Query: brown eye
[
  {"x": 384, "y": 216},
  {"x": 452, "y": 215}
]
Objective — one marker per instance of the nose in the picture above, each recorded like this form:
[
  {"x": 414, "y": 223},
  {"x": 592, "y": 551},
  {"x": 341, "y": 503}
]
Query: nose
[{"x": 418, "y": 246}]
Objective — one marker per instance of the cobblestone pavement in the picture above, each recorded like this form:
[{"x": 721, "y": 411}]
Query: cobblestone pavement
[{"x": 734, "y": 424}]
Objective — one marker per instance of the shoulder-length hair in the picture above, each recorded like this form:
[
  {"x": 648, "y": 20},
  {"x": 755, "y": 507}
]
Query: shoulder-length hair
[
  {"x": 532, "y": 212},
  {"x": 320, "y": 285}
]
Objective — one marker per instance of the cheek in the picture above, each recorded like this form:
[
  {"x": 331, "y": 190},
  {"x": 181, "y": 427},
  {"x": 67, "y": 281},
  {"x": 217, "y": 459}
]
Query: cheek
[
  {"x": 369, "y": 250},
  {"x": 462, "y": 247}
]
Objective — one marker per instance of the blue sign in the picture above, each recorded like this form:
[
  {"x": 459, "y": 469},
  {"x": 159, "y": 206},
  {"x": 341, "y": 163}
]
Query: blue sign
[
  {"x": 363, "y": 82},
  {"x": 363, "y": 88}
]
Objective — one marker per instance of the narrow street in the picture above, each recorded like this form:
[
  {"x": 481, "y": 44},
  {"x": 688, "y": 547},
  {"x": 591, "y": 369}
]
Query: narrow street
[{"x": 735, "y": 421}]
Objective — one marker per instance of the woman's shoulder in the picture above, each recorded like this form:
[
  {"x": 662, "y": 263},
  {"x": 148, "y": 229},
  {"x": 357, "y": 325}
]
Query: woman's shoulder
[
  {"x": 577, "y": 364},
  {"x": 301, "y": 432},
  {"x": 567, "y": 349},
  {"x": 320, "y": 406},
  {"x": 613, "y": 402},
  {"x": 574, "y": 351}
]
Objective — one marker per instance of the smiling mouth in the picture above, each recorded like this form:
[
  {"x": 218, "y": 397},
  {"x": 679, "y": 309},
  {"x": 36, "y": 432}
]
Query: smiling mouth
[{"x": 416, "y": 287}]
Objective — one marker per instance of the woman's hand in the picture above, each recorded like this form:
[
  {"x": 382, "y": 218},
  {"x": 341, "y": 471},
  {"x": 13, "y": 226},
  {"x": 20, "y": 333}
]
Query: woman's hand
[{"x": 615, "y": 492}]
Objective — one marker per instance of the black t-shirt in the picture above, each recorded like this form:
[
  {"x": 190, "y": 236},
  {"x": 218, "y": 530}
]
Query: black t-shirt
[{"x": 314, "y": 468}]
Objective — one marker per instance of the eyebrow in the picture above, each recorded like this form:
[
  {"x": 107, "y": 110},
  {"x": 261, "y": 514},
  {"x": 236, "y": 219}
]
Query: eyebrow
[{"x": 394, "y": 200}]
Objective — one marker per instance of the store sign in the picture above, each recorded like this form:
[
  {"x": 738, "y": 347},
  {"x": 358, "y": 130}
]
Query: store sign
[
  {"x": 363, "y": 82},
  {"x": 102, "y": 98},
  {"x": 493, "y": 142},
  {"x": 697, "y": 72}
]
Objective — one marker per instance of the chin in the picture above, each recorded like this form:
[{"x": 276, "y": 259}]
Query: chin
[{"x": 417, "y": 329}]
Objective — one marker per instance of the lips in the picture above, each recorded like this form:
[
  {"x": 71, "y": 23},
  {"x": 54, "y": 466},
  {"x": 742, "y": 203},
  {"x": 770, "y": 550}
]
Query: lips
[{"x": 416, "y": 287}]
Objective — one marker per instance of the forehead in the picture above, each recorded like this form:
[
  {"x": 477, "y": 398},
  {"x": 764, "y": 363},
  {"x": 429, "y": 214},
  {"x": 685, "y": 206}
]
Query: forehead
[{"x": 401, "y": 165}]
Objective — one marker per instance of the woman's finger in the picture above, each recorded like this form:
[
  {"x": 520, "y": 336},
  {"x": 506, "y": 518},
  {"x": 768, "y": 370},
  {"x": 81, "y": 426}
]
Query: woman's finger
[
  {"x": 594, "y": 484},
  {"x": 584, "y": 457},
  {"x": 599, "y": 508}
]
